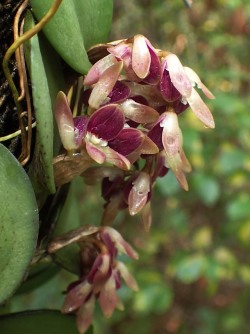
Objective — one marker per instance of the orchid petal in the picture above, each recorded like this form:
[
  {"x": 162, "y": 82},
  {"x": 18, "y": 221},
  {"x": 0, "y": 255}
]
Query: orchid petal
[
  {"x": 108, "y": 298},
  {"x": 148, "y": 146},
  {"x": 95, "y": 153},
  {"x": 119, "y": 305},
  {"x": 76, "y": 297},
  {"x": 146, "y": 216},
  {"x": 175, "y": 163},
  {"x": 172, "y": 142},
  {"x": 155, "y": 66},
  {"x": 85, "y": 315},
  {"x": 64, "y": 119},
  {"x": 105, "y": 237},
  {"x": 167, "y": 88},
  {"x": 127, "y": 141},
  {"x": 178, "y": 75},
  {"x": 120, "y": 243},
  {"x": 105, "y": 84},
  {"x": 186, "y": 166},
  {"x": 98, "y": 68},
  {"x": 99, "y": 272},
  {"x": 106, "y": 122},
  {"x": 112, "y": 209},
  {"x": 155, "y": 134},
  {"x": 116, "y": 158},
  {"x": 196, "y": 80},
  {"x": 141, "y": 58},
  {"x": 171, "y": 134},
  {"x": 128, "y": 278},
  {"x": 80, "y": 126},
  {"x": 119, "y": 93},
  {"x": 150, "y": 92},
  {"x": 200, "y": 109},
  {"x": 123, "y": 51},
  {"x": 139, "y": 113},
  {"x": 138, "y": 195}
]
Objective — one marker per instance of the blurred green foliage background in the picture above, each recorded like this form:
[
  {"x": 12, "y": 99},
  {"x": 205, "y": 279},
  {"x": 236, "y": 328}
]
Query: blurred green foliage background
[{"x": 194, "y": 267}]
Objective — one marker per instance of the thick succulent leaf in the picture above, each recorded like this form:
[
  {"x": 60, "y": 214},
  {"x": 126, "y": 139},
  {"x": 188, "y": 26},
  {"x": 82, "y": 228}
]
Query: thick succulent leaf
[
  {"x": 64, "y": 32},
  {"x": 95, "y": 18},
  {"x": 47, "y": 79},
  {"x": 18, "y": 223},
  {"x": 39, "y": 322}
]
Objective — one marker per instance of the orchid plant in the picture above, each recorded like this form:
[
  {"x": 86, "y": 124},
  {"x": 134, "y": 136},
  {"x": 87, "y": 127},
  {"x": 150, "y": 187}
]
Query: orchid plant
[
  {"x": 128, "y": 135},
  {"x": 121, "y": 131}
]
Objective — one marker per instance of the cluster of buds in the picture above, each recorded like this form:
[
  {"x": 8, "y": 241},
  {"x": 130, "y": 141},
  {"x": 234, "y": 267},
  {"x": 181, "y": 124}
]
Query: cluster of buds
[
  {"x": 101, "y": 276},
  {"x": 128, "y": 133}
]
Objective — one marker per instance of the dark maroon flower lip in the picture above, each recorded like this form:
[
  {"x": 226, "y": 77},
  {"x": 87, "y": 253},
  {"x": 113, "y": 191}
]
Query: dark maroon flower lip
[
  {"x": 119, "y": 93},
  {"x": 106, "y": 122},
  {"x": 127, "y": 141}
]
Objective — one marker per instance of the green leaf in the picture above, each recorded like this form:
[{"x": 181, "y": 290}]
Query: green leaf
[
  {"x": 64, "y": 33},
  {"x": 47, "y": 79},
  {"x": 18, "y": 223},
  {"x": 95, "y": 18},
  {"x": 39, "y": 322}
]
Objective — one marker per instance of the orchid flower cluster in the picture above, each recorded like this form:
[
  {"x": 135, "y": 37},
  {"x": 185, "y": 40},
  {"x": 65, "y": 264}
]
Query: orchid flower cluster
[
  {"x": 126, "y": 136},
  {"x": 101, "y": 276},
  {"x": 128, "y": 133}
]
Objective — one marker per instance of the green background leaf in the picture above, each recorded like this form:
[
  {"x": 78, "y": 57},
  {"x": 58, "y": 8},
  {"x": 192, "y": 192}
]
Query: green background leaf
[
  {"x": 39, "y": 322},
  {"x": 18, "y": 223}
]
